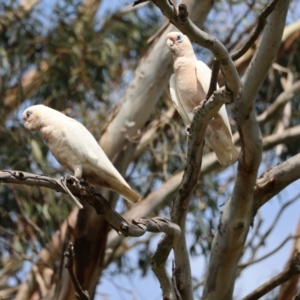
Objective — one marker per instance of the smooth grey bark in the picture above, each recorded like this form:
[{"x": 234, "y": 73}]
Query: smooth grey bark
[
  {"x": 237, "y": 216},
  {"x": 144, "y": 90}
]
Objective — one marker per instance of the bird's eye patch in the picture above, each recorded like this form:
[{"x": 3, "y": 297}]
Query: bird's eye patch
[
  {"x": 28, "y": 114},
  {"x": 179, "y": 39}
]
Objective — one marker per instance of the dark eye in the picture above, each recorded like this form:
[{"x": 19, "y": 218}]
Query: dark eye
[
  {"x": 179, "y": 38},
  {"x": 28, "y": 114}
]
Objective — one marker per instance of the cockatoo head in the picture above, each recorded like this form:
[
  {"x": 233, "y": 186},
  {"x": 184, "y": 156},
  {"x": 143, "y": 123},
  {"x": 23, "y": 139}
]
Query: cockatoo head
[
  {"x": 179, "y": 44},
  {"x": 33, "y": 117}
]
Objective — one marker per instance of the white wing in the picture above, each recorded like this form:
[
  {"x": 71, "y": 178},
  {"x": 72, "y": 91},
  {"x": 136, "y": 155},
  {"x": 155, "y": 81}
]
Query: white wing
[
  {"x": 84, "y": 146},
  {"x": 218, "y": 135},
  {"x": 176, "y": 101}
]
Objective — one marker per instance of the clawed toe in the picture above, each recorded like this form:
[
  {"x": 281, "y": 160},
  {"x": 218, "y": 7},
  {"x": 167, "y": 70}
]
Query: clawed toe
[
  {"x": 73, "y": 180},
  {"x": 188, "y": 130}
]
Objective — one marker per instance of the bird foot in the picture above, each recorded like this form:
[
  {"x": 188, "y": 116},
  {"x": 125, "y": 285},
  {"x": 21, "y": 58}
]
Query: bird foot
[
  {"x": 188, "y": 130},
  {"x": 63, "y": 183},
  {"x": 73, "y": 180}
]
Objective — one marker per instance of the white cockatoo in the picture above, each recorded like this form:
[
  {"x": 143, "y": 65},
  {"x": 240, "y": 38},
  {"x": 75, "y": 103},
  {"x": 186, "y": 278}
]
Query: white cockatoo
[
  {"x": 188, "y": 88},
  {"x": 76, "y": 149}
]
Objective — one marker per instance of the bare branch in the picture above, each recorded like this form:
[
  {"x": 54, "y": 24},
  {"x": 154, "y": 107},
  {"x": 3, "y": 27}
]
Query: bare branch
[
  {"x": 284, "y": 137},
  {"x": 236, "y": 218},
  {"x": 195, "y": 147},
  {"x": 254, "y": 261},
  {"x": 262, "y": 19},
  {"x": 214, "y": 78},
  {"x": 101, "y": 205},
  {"x": 276, "y": 179},
  {"x": 291, "y": 269},
  {"x": 267, "y": 232},
  {"x": 280, "y": 101},
  {"x": 80, "y": 293}
]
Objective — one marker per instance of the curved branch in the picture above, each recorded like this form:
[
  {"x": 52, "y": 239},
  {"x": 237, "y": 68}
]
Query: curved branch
[
  {"x": 101, "y": 205},
  {"x": 276, "y": 179},
  {"x": 203, "y": 115},
  {"x": 254, "y": 261},
  {"x": 282, "y": 99},
  {"x": 80, "y": 293},
  {"x": 236, "y": 218},
  {"x": 292, "y": 268},
  {"x": 258, "y": 29}
]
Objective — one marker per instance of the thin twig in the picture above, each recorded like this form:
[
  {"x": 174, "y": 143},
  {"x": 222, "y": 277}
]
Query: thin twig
[
  {"x": 258, "y": 29},
  {"x": 214, "y": 78},
  {"x": 80, "y": 293},
  {"x": 254, "y": 261},
  {"x": 63, "y": 183},
  {"x": 291, "y": 269}
]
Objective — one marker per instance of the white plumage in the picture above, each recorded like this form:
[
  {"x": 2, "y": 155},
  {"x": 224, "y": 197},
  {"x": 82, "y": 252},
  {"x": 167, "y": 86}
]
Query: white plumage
[
  {"x": 76, "y": 149},
  {"x": 188, "y": 88}
]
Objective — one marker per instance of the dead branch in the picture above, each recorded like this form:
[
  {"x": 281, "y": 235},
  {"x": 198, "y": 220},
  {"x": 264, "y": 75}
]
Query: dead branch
[
  {"x": 180, "y": 206},
  {"x": 101, "y": 205},
  {"x": 214, "y": 78},
  {"x": 80, "y": 293},
  {"x": 291, "y": 269},
  {"x": 262, "y": 19},
  {"x": 276, "y": 179},
  {"x": 268, "y": 231},
  {"x": 280, "y": 101},
  {"x": 254, "y": 261}
]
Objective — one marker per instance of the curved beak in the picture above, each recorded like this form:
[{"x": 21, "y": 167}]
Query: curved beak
[{"x": 170, "y": 43}]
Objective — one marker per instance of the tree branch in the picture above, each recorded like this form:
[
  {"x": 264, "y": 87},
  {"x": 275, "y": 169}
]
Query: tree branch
[
  {"x": 276, "y": 179},
  {"x": 280, "y": 101},
  {"x": 101, "y": 205},
  {"x": 203, "y": 115},
  {"x": 236, "y": 218},
  {"x": 256, "y": 260},
  {"x": 214, "y": 78},
  {"x": 262, "y": 19},
  {"x": 185, "y": 25},
  {"x": 80, "y": 293},
  {"x": 151, "y": 77},
  {"x": 291, "y": 269}
]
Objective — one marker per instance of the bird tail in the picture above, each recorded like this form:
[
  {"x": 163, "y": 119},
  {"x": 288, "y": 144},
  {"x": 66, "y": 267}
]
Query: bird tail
[
  {"x": 221, "y": 143},
  {"x": 128, "y": 193}
]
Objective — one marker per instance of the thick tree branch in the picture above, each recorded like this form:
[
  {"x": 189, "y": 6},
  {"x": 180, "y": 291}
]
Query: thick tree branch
[
  {"x": 236, "y": 218},
  {"x": 203, "y": 115},
  {"x": 276, "y": 179}
]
